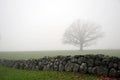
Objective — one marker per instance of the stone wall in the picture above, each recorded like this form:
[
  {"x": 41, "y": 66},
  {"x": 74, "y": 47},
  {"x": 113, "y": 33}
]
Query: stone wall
[{"x": 88, "y": 64}]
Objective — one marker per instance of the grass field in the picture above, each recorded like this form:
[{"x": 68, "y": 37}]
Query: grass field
[
  {"x": 15, "y": 74},
  {"x": 39, "y": 54}
]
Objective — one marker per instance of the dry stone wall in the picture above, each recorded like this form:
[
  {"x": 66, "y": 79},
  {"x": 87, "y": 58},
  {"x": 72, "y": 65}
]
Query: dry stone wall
[{"x": 88, "y": 64}]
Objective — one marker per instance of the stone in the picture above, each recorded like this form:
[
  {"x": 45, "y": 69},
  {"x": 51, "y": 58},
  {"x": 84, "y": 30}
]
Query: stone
[
  {"x": 110, "y": 65},
  {"x": 90, "y": 62},
  {"x": 112, "y": 72},
  {"x": 115, "y": 65},
  {"x": 61, "y": 67},
  {"x": 102, "y": 71},
  {"x": 94, "y": 70},
  {"x": 80, "y": 60},
  {"x": 83, "y": 68},
  {"x": 75, "y": 67},
  {"x": 118, "y": 74},
  {"x": 56, "y": 67},
  {"x": 69, "y": 67},
  {"x": 105, "y": 61},
  {"x": 74, "y": 60},
  {"x": 97, "y": 62},
  {"x": 90, "y": 70}
]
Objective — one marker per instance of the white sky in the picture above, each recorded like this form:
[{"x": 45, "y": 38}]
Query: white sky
[{"x": 40, "y": 24}]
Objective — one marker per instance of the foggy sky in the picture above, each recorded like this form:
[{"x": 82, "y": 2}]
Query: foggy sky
[{"x": 40, "y": 24}]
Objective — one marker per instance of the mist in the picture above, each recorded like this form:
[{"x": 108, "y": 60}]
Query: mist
[{"x": 33, "y": 25}]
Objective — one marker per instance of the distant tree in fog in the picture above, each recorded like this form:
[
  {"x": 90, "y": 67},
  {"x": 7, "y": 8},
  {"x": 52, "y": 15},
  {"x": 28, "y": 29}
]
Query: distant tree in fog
[{"x": 82, "y": 34}]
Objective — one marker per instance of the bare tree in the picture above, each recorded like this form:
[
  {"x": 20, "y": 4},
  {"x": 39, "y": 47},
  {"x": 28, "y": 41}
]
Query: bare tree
[{"x": 82, "y": 34}]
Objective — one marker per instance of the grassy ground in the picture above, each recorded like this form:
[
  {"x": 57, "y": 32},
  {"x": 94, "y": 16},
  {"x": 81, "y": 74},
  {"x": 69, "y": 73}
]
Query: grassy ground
[
  {"x": 39, "y": 54},
  {"x": 15, "y": 74}
]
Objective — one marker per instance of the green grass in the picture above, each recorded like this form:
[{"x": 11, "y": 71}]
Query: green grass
[
  {"x": 15, "y": 74},
  {"x": 39, "y": 54}
]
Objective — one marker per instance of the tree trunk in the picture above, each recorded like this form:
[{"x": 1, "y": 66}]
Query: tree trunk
[{"x": 81, "y": 47}]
